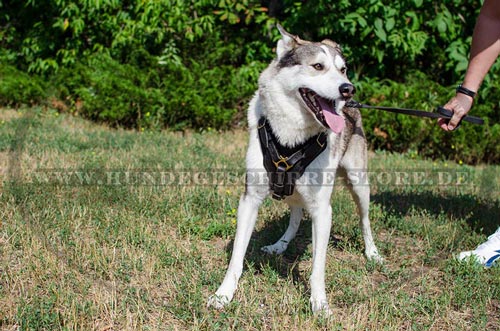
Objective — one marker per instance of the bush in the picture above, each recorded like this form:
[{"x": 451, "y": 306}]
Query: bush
[
  {"x": 104, "y": 90},
  {"x": 17, "y": 87},
  {"x": 157, "y": 96},
  {"x": 208, "y": 97}
]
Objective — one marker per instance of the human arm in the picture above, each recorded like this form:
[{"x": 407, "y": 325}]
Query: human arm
[{"x": 485, "y": 49}]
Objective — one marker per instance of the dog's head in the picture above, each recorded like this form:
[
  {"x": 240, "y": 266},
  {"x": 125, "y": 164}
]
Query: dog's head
[{"x": 316, "y": 74}]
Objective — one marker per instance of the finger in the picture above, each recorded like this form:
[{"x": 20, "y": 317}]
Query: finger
[
  {"x": 443, "y": 123},
  {"x": 454, "y": 121}
]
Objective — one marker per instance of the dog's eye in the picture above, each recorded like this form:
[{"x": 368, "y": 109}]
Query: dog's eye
[
  {"x": 318, "y": 66},
  {"x": 343, "y": 70}
]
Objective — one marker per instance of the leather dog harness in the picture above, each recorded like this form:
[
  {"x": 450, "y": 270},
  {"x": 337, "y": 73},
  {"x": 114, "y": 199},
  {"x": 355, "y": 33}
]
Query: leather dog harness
[{"x": 284, "y": 165}]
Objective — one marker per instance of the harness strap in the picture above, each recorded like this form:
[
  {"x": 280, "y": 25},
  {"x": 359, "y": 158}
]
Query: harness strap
[{"x": 285, "y": 165}]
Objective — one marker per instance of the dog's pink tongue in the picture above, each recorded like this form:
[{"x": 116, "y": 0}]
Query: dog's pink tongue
[{"x": 334, "y": 120}]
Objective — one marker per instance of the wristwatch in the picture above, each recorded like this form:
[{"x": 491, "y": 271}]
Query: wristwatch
[{"x": 466, "y": 91}]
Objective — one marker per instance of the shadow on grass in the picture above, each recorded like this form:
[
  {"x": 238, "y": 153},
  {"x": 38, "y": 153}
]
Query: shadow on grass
[
  {"x": 284, "y": 264},
  {"x": 481, "y": 215}
]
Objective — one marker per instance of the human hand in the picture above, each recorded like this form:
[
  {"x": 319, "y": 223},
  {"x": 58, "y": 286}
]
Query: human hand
[{"x": 460, "y": 105}]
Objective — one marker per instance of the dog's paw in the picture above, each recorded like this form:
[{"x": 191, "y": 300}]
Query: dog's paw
[
  {"x": 218, "y": 301},
  {"x": 320, "y": 308},
  {"x": 374, "y": 256},
  {"x": 275, "y": 249}
]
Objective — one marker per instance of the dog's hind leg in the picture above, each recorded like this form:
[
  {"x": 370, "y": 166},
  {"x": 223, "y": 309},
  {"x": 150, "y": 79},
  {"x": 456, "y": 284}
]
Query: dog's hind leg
[
  {"x": 282, "y": 244},
  {"x": 247, "y": 215}
]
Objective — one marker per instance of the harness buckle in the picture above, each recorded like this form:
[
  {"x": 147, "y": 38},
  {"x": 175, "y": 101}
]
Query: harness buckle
[
  {"x": 261, "y": 124},
  {"x": 318, "y": 138},
  {"x": 282, "y": 160}
]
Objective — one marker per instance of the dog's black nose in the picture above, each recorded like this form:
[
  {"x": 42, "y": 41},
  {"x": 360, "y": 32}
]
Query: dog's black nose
[{"x": 347, "y": 90}]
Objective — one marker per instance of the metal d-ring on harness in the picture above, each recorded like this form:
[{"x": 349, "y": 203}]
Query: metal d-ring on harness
[{"x": 284, "y": 165}]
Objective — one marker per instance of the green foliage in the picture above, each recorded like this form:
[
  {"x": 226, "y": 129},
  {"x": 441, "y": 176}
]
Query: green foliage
[
  {"x": 144, "y": 64},
  {"x": 17, "y": 87},
  {"x": 388, "y": 38},
  {"x": 158, "y": 95},
  {"x": 39, "y": 314},
  {"x": 51, "y": 34},
  {"x": 106, "y": 90},
  {"x": 46, "y": 35},
  {"x": 219, "y": 94},
  {"x": 194, "y": 64}
]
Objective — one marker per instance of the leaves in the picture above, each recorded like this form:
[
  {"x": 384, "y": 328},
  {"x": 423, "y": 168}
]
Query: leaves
[
  {"x": 379, "y": 30},
  {"x": 418, "y": 3},
  {"x": 389, "y": 23},
  {"x": 387, "y": 39},
  {"x": 378, "y": 37}
]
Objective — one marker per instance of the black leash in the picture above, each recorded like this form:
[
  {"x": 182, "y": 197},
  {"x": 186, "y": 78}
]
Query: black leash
[{"x": 441, "y": 112}]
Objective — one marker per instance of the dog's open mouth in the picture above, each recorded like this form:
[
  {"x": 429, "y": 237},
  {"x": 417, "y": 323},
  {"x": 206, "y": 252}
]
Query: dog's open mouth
[{"x": 323, "y": 109}]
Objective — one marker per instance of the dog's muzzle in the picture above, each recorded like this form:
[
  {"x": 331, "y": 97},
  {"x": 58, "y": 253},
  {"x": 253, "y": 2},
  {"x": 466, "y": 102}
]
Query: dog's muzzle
[{"x": 324, "y": 110}]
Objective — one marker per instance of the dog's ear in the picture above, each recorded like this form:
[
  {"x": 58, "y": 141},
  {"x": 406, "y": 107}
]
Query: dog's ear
[
  {"x": 286, "y": 43},
  {"x": 332, "y": 44}
]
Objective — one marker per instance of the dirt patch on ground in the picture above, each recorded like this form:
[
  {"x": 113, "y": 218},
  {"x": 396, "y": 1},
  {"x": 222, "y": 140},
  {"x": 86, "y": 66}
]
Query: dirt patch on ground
[
  {"x": 9, "y": 114},
  {"x": 4, "y": 166},
  {"x": 493, "y": 313}
]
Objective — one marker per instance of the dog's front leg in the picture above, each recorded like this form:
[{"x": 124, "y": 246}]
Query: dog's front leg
[
  {"x": 247, "y": 215},
  {"x": 322, "y": 219}
]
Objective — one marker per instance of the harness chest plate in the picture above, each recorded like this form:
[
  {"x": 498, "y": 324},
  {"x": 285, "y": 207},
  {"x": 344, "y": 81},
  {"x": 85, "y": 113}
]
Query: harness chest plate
[{"x": 284, "y": 165}]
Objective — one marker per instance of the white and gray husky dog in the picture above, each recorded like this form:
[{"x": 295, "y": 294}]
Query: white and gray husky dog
[{"x": 302, "y": 94}]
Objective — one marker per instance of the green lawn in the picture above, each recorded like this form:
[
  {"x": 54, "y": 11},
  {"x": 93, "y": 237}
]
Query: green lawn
[{"x": 95, "y": 235}]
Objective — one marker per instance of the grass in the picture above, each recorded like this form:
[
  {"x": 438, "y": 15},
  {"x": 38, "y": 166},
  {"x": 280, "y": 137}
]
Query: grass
[{"x": 83, "y": 247}]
